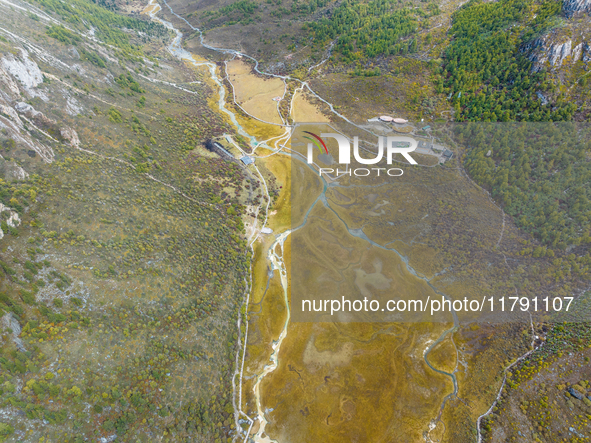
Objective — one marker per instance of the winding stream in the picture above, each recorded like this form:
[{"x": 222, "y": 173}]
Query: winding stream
[
  {"x": 277, "y": 264},
  {"x": 274, "y": 257},
  {"x": 358, "y": 232},
  {"x": 176, "y": 49}
]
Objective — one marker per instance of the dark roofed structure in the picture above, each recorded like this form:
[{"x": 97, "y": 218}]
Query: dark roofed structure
[{"x": 217, "y": 148}]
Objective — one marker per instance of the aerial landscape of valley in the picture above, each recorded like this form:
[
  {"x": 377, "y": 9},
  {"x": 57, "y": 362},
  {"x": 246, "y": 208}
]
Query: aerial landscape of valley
[{"x": 295, "y": 221}]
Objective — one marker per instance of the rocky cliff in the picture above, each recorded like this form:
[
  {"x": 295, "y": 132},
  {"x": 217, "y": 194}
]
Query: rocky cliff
[
  {"x": 572, "y": 7},
  {"x": 552, "y": 52}
]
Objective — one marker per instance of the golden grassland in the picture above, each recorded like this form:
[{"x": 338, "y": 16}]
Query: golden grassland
[
  {"x": 353, "y": 381},
  {"x": 260, "y": 130},
  {"x": 441, "y": 222},
  {"x": 306, "y": 111},
  {"x": 443, "y": 355},
  {"x": 280, "y": 212},
  {"x": 266, "y": 312},
  {"x": 149, "y": 9},
  {"x": 254, "y": 93},
  {"x": 332, "y": 262},
  {"x": 267, "y": 309},
  {"x": 335, "y": 374}
]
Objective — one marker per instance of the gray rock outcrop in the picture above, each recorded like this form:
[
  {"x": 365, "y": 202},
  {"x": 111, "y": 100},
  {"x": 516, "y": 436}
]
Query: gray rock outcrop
[
  {"x": 8, "y": 321},
  {"x": 71, "y": 136},
  {"x": 572, "y": 7}
]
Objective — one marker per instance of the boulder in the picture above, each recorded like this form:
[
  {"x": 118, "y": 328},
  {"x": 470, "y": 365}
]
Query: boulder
[
  {"x": 576, "y": 394},
  {"x": 70, "y": 135},
  {"x": 8, "y": 321}
]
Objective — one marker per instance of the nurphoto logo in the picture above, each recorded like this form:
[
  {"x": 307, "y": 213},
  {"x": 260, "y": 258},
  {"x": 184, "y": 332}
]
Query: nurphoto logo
[{"x": 390, "y": 145}]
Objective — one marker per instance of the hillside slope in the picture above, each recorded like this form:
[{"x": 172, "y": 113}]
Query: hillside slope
[{"x": 118, "y": 315}]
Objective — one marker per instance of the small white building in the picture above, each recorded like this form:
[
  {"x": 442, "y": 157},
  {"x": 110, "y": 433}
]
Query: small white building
[{"x": 247, "y": 160}]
